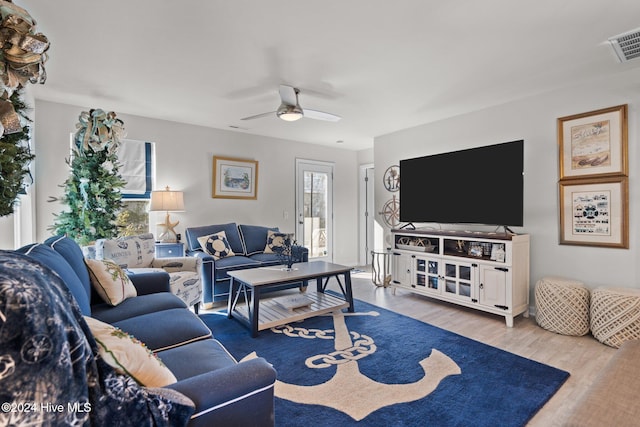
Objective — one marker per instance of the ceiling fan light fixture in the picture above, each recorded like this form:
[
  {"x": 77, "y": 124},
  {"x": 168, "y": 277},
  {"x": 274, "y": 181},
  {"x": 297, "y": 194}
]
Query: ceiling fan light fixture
[{"x": 289, "y": 113}]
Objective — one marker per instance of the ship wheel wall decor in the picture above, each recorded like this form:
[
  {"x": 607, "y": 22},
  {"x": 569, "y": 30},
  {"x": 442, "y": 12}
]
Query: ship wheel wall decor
[
  {"x": 391, "y": 212},
  {"x": 391, "y": 178}
]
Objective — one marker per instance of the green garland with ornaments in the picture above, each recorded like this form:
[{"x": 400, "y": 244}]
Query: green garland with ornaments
[
  {"x": 23, "y": 52},
  {"x": 93, "y": 189},
  {"x": 15, "y": 157}
]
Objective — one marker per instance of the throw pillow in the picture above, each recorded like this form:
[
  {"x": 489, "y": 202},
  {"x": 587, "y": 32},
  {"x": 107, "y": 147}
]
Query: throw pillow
[
  {"x": 128, "y": 252},
  {"x": 277, "y": 242},
  {"x": 129, "y": 356},
  {"x": 216, "y": 245},
  {"x": 110, "y": 281}
]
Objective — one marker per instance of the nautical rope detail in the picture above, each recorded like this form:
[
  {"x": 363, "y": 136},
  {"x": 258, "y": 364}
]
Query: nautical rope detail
[
  {"x": 362, "y": 347},
  {"x": 290, "y": 331}
]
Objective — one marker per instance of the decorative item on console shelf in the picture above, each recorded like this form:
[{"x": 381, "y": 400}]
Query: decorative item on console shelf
[{"x": 418, "y": 244}]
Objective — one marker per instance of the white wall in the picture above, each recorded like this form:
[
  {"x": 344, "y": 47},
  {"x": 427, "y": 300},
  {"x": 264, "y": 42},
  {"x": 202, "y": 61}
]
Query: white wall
[
  {"x": 534, "y": 120},
  {"x": 184, "y": 162},
  {"x": 6, "y": 232}
]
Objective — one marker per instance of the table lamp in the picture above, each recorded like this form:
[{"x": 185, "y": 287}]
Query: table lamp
[{"x": 168, "y": 201}]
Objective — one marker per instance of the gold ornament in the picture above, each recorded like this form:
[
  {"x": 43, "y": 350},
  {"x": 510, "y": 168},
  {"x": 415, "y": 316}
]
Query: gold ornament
[{"x": 22, "y": 59}]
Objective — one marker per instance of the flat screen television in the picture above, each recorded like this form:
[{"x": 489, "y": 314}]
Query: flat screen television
[{"x": 482, "y": 185}]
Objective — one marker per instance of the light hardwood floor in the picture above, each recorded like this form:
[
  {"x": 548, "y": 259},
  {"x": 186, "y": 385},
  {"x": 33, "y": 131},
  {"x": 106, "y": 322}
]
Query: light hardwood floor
[{"x": 583, "y": 357}]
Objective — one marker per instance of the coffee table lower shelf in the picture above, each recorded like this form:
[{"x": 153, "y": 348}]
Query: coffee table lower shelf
[{"x": 273, "y": 314}]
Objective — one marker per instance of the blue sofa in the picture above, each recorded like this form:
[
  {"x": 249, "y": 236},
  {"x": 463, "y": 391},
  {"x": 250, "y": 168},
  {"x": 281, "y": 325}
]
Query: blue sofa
[
  {"x": 248, "y": 243},
  {"x": 224, "y": 391}
]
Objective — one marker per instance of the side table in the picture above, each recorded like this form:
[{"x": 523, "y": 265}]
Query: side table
[
  {"x": 168, "y": 250},
  {"x": 380, "y": 267}
]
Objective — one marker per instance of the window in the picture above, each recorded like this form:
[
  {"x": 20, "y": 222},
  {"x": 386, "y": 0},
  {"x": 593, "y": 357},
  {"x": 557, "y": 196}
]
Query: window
[{"x": 137, "y": 159}]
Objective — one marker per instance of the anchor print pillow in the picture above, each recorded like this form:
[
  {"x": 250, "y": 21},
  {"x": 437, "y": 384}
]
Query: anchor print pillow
[{"x": 110, "y": 281}]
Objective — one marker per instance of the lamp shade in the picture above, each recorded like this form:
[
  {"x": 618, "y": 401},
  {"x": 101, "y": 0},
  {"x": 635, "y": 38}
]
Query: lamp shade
[{"x": 167, "y": 200}]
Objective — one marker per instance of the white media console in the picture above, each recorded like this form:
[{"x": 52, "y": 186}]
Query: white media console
[{"x": 485, "y": 271}]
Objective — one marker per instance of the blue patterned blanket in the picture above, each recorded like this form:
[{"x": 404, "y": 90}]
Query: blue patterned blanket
[{"x": 50, "y": 370}]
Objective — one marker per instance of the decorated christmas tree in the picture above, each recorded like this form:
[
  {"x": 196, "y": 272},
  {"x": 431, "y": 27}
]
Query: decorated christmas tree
[
  {"x": 93, "y": 189},
  {"x": 15, "y": 157},
  {"x": 22, "y": 58}
]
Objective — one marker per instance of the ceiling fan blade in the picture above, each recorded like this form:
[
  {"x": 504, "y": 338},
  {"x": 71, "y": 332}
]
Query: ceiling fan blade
[
  {"x": 320, "y": 115},
  {"x": 258, "y": 116},
  {"x": 288, "y": 95}
]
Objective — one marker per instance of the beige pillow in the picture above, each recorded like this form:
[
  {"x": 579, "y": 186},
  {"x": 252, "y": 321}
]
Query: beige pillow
[
  {"x": 110, "y": 281},
  {"x": 216, "y": 245},
  {"x": 129, "y": 356},
  {"x": 276, "y": 242}
]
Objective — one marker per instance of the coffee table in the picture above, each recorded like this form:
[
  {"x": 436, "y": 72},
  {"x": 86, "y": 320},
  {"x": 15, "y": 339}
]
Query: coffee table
[{"x": 263, "y": 314}]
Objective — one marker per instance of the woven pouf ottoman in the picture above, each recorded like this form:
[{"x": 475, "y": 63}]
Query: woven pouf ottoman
[
  {"x": 562, "y": 306},
  {"x": 615, "y": 315}
]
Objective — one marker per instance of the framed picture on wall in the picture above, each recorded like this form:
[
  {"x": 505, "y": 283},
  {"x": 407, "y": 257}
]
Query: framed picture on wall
[
  {"x": 235, "y": 178},
  {"x": 595, "y": 212},
  {"x": 593, "y": 143}
]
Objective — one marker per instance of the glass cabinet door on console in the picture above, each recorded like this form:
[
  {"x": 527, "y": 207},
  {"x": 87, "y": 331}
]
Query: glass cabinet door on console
[
  {"x": 426, "y": 273},
  {"x": 459, "y": 279}
]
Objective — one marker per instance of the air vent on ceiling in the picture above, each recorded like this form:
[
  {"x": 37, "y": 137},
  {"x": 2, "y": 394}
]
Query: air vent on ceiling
[{"x": 627, "y": 45}]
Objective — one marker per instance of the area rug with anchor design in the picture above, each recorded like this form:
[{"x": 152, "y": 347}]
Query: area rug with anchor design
[{"x": 375, "y": 367}]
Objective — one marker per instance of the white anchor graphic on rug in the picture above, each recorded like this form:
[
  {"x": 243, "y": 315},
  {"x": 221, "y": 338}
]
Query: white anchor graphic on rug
[{"x": 350, "y": 391}]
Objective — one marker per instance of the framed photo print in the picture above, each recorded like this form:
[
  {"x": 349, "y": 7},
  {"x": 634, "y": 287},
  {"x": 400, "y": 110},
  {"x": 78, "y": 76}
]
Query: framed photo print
[
  {"x": 593, "y": 143},
  {"x": 595, "y": 212},
  {"x": 235, "y": 178}
]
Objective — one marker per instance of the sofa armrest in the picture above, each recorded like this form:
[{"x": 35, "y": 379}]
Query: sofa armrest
[
  {"x": 207, "y": 269},
  {"x": 175, "y": 264},
  {"x": 301, "y": 253},
  {"x": 241, "y": 394},
  {"x": 149, "y": 282}
]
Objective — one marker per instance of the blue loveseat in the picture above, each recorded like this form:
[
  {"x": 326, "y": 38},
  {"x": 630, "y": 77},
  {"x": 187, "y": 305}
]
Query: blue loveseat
[
  {"x": 224, "y": 391},
  {"x": 248, "y": 243}
]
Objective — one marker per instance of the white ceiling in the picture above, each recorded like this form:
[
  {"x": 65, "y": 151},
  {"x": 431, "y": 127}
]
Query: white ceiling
[{"x": 382, "y": 65}]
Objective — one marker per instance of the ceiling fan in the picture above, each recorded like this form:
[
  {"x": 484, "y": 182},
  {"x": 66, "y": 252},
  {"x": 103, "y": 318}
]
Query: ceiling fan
[{"x": 290, "y": 109}]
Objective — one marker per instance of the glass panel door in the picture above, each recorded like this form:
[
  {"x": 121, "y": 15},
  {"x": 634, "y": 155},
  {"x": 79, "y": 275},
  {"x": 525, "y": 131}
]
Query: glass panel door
[
  {"x": 458, "y": 279},
  {"x": 426, "y": 273},
  {"x": 314, "y": 208}
]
